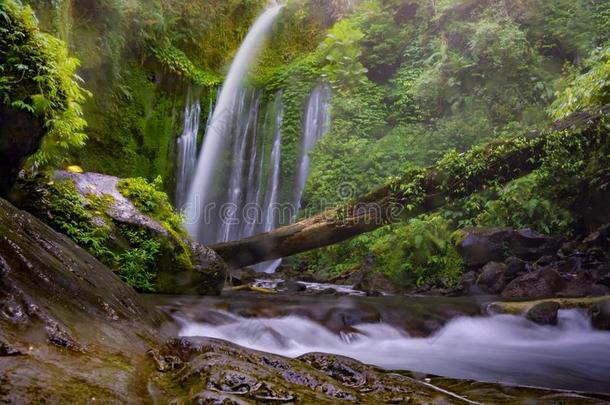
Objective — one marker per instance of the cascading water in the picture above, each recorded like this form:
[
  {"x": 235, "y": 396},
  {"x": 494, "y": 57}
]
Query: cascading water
[
  {"x": 187, "y": 147},
  {"x": 500, "y": 348},
  {"x": 236, "y": 187},
  {"x": 317, "y": 124},
  {"x": 203, "y": 190},
  {"x": 270, "y": 212}
]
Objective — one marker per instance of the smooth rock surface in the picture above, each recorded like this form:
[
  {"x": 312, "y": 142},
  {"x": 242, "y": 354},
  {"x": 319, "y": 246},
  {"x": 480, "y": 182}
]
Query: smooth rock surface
[
  {"x": 544, "y": 313},
  {"x": 20, "y": 136}
]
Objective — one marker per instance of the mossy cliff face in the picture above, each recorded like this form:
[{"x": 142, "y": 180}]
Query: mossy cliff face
[{"x": 138, "y": 58}]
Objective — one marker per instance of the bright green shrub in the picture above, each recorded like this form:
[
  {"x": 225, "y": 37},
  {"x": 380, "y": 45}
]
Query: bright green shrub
[
  {"x": 521, "y": 204},
  {"x": 151, "y": 200}
]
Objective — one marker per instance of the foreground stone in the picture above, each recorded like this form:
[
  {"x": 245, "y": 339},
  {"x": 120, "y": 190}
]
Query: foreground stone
[
  {"x": 544, "y": 313},
  {"x": 210, "y": 371},
  {"x": 70, "y": 330}
]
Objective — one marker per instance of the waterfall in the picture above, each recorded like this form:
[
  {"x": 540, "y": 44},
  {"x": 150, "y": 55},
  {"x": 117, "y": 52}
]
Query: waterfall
[
  {"x": 271, "y": 209},
  {"x": 317, "y": 124},
  {"x": 235, "y": 191},
  {"x": 187, "y": 147},
  {"x": 203, "y": 192}
]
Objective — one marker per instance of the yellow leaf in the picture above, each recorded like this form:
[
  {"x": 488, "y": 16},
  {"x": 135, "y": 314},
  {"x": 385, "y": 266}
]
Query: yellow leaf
[{"x": 74, "y": 169}]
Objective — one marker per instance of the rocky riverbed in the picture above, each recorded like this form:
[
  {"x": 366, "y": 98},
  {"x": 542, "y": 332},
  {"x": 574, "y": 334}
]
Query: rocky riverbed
[{"x": 72, "y": 332}]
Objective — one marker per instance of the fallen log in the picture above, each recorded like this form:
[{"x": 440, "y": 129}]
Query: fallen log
[{"x": 416, "y": 192}]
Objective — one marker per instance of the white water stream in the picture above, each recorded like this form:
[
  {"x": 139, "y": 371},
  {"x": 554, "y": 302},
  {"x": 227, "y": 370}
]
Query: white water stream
[{"x": 500, "y": 348}]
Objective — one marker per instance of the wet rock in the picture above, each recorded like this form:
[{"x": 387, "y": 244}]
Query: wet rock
[
  {"x": 543, "y": 283},
  {"x": 601, "y": 274},
  {"x": 7, "y": 350},
  {"x": 243, "y": 276},
  {"x": 481, "y": 246},
  {"x": 544, "y": 313},
  {"x": 467, "y": 284},
  {"x": 374, "y": 293},
  {"x": 515, "y": 267},
  {"x": 328, "y": 291},
  {"x": 294, "y": 286},
  {"x": 546, "y": 260},
  {"x": 492, "y": 277},
  {"x": 59, "y": 299},
  {"x": 600, "y": 315},
  {"x": 599, "y": 238},
  {"x": 20, "y": 136},
  {"x": 207, "y": 276},
  {"x": 583, "y": 284}
]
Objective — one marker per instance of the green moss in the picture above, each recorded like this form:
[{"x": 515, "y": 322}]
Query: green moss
[
  {"x": 136, "y": 254},
  {"x": 178, "y": 63},
  {"x": 137, "y": 265},
  {"x": 150, "y": 199}
]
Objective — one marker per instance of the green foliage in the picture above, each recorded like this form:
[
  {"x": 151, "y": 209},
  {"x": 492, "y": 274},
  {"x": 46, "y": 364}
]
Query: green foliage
[
  {"x": 411, "y": 254},
  {"x": 135, "y": 264},
  {"x": 135, "y": 257},
  {"x": 521, "y": 204},
  {"x": 151, "y": 200},
  {"x": 39, "y": 76},
  {"x": 341, "y": 52},
  {"x": 178, "y": 63},
  {"x": 419, "y": 252},
  {"x": 66, "y": 212},
  {"x": 586, "y": 90}
]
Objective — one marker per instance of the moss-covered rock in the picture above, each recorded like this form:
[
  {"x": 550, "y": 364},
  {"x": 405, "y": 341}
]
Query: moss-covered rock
[{"x": 130, "y": 226}]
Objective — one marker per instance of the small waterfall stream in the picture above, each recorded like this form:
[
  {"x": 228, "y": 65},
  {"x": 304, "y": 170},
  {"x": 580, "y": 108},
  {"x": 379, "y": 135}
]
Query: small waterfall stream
[
  {"x": 270, "y": 208},
  {"x": 187, "y": 147},
  {"x": 317, "y": 124}
]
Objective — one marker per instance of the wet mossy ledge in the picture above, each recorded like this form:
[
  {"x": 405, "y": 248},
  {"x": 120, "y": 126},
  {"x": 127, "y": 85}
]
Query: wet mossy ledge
[{"x": 127, "y": 224}]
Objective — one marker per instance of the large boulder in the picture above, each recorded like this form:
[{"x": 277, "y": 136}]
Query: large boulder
[
  {"x": 481, "y": 246},
  {"x": 542, "y": 283},
  {"x": 206, "y": 277},
  {"x": 20, "y": 136}
]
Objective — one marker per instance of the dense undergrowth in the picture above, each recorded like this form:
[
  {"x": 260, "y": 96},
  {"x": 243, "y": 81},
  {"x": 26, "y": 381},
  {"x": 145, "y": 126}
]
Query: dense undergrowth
[
  {"x": 415, "y": 80},
  {"x": 134, "y": 252}
]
